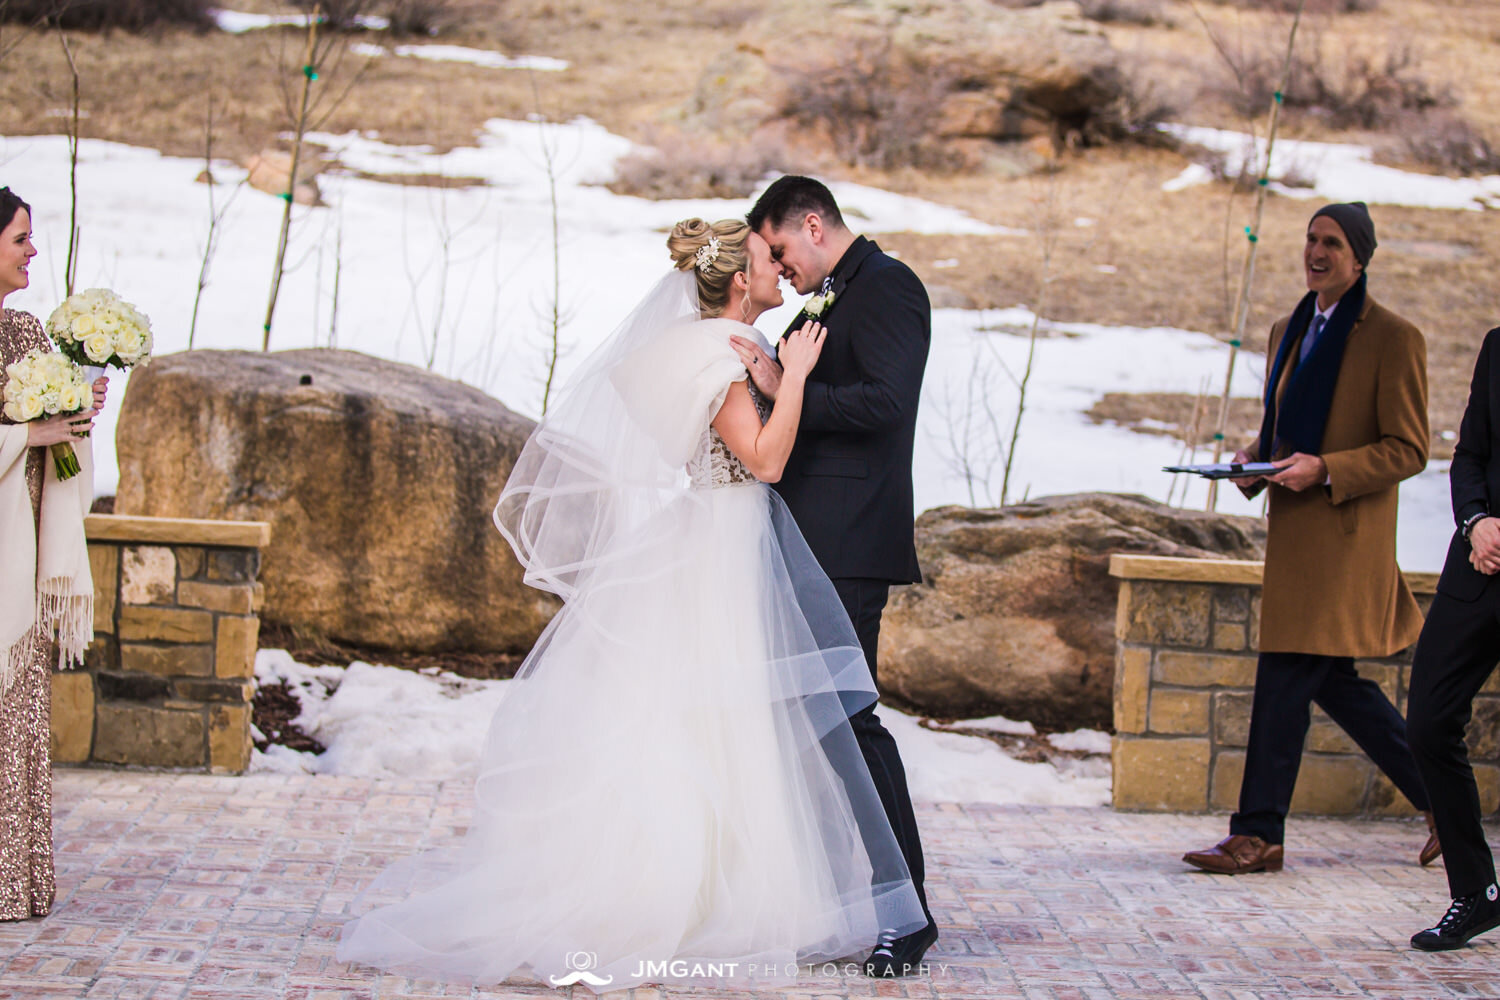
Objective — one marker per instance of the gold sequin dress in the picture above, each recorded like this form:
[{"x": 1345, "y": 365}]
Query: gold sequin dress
[{"x": 26, "y": 875}]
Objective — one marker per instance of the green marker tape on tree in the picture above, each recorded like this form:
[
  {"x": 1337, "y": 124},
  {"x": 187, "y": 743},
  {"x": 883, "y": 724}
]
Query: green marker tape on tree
[{"x": 309, "y": 72}]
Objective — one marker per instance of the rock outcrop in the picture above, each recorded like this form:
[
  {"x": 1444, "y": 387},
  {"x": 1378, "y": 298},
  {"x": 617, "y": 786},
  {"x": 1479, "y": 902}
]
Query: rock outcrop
[
  {"x": 955, "y": 71},
  {"x": 1015, "y": 615},
  {"x": 378, "y": 480}
]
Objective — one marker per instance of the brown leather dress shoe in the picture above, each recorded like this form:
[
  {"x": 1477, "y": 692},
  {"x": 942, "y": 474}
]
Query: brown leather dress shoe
[
  {"x": 1432, "y": 850},
  {"x": 1237, "y": 855}
]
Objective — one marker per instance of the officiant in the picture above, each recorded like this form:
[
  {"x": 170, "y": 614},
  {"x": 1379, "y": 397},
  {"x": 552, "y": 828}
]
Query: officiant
[{"x": 1345, "y": 421}]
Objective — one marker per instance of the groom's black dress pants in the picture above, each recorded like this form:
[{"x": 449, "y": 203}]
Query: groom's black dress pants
[
  {"x": 1456, "y": 654},
  {"x": 865, "y": 599}
]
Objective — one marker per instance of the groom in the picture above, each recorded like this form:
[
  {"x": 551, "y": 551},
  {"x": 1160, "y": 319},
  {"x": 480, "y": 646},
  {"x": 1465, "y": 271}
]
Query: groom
[{"x": 848, "y": 482}]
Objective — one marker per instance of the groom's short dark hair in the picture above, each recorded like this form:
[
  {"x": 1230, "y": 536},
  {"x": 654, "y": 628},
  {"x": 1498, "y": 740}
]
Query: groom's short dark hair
[{"x": 792, "y": 198}]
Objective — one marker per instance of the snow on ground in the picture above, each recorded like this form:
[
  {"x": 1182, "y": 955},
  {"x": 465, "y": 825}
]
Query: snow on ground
[
  {"x": 1331, "y": 171},
  {"x": 238, "y": 22},
  {"x": 459, "y": 279},
  {"x": 463, "y": 54},
  {"x": 440, "y": 729}
]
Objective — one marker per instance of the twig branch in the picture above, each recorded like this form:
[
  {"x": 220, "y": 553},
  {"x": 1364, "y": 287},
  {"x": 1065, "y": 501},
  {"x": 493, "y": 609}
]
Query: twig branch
[{"x": 1247, "y": 279}]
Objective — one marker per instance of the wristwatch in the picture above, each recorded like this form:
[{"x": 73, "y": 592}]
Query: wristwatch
[{"x": 1468, "y": 525}]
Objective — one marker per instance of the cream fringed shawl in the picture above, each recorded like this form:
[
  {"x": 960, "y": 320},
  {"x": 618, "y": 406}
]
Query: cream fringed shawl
[{"x": 45, "y": 584}]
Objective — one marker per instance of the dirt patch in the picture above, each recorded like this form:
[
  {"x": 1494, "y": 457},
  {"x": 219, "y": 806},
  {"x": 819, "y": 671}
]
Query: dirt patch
[
  {"x": 1182, "y": 417},
  {"x": 273, "y": 710}
]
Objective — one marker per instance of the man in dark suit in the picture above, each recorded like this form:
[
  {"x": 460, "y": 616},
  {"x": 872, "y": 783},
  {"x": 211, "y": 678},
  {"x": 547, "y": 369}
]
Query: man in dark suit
[
  {"x": 1457, "y": 652},
  {"x": 848, "y": 482}
]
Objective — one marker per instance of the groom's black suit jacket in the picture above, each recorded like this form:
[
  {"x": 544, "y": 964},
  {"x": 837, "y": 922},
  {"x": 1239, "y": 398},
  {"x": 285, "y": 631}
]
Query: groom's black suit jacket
[
  {"x": 1475, "y": 475},
  {"x": 848, "y": 480}
]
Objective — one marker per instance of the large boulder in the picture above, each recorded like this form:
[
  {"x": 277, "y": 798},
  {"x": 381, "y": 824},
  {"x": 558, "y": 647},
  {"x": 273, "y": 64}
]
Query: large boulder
[
  {"x": 953, "y": 70},
  {"x": 378, "y": 480},
  {"x": 1015, "y": 615}
]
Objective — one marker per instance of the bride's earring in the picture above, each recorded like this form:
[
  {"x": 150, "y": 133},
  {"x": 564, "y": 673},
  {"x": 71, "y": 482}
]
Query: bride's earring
[{"x": 745, "y": 303}]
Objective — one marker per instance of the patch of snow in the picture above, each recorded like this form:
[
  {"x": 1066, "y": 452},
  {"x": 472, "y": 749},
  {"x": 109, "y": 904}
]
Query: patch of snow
[
  {"x": 474, "y": 56},
  {"x": 948, "y": 767},
  {"x": 440, "y": 728},
  {"x": 995, "y": 724},
  {"x": 1082, "y": 741},
  {"x": 238, "y": 22},
  {"x": 1332, "y": 171}
]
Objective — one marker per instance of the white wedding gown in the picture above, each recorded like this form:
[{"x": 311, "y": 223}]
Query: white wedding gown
[{"x": 670, "y": 790}]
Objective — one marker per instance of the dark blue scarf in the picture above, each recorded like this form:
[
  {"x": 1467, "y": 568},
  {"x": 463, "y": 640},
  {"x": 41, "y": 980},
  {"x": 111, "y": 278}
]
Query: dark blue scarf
[{"x": 1299, "y": 422}]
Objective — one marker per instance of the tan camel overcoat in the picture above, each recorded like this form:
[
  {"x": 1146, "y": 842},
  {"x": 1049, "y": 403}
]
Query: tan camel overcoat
[{"x": 1332, "y": 586}]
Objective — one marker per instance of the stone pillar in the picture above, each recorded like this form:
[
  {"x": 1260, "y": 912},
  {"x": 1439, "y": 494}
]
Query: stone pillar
[
  {"x": 1186, "y": 632},
  {"x": 168, "y": 680}
]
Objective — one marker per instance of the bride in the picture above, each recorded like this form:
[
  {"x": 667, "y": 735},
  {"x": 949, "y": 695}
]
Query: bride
[{"x": 670, "y": 790}]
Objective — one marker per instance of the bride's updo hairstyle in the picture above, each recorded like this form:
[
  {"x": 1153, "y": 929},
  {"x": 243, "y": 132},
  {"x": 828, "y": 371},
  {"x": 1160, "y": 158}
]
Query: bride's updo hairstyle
[{"x": 715, "y": 252}]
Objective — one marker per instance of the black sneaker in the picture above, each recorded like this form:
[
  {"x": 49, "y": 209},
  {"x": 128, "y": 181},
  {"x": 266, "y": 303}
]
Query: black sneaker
[
  {"x": 1467, "y": 916},
  {"x": 902, "y": 956}
]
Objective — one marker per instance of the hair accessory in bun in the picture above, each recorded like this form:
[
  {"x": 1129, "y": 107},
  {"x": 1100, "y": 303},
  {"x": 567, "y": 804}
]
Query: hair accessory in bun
[{"x": 708, "y": 253}]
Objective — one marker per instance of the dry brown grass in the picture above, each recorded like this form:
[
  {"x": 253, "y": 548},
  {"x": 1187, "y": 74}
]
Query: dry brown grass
[{"x": 633, "y": 66}]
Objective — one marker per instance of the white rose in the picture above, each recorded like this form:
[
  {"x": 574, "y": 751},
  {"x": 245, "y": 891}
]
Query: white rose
[
  {"x": 27, "y": 407},
  {"x": 72, "y": 399},
  {"x": 83, "y": 326},
  {"x": 109, "y": 320},
  {"x": 100, "y": 347}
]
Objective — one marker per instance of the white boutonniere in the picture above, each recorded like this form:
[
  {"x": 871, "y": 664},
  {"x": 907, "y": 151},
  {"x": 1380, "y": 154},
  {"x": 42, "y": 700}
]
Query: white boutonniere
[{"x": 817, "y": 305}]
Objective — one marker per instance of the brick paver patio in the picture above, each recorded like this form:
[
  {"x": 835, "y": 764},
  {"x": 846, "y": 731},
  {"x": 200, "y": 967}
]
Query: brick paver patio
[{"x": 188, "y": 886}]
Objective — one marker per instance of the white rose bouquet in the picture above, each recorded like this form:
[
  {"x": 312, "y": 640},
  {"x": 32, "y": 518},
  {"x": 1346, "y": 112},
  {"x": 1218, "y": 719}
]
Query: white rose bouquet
[
  {"x": 97, "y": 327},
  {"x": 46, "y": 384}
]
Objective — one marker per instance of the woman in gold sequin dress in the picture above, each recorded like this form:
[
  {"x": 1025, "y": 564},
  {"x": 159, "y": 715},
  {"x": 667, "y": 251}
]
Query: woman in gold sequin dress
[{"x": 27, "y": 650}]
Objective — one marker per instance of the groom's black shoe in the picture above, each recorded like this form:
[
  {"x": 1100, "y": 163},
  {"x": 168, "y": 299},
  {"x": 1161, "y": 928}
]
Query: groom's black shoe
[
  {"x": 1469, "y": 915},
  {"x": 901, "y": 956}
]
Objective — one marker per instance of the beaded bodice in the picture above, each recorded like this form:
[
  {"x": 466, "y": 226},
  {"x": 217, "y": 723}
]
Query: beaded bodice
[{"x": 713, "y": 465}]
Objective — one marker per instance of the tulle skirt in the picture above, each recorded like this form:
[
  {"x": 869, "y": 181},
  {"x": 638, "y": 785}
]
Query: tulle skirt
[{"x": 670, "y": 790}]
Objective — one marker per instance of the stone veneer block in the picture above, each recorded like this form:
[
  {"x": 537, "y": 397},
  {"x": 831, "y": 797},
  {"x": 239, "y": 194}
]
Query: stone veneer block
[
  {"x": 1325, "y": 736},
  {"x": 235, "y": 645},
  {"x": 1229, "y": 771},
  {"x": 1202, "y": 669},
  {"x": 72, "y": 716},
  {"x": 1179, "y": 713},
  {"x": 177, "y": 531},
  {"x": 233, "y": 565},
  {"x": 1385, "y": 799},
  {"x": 167, "y": 661},
  {"x": 1231, "y": 604},
  {"x": 229, "y": 598},
  {"x": 1487, "y": 777},
  {"x": 148, "y": 575},
  {"x": 1491, "y": 686},
  {"x": 1160, "y": 775},
  {"x": 1229, "y": 636},
  {"x": 1387, "y": 675},
  {"x": 1483, "y": 734},
  {"x": 155, "y": 737},
  {"x": 1132, "y": 686},
  {"x": 1168, "y": 614},
  {"x": 1329, "y": 786},
  {"x": 189, "y": 561},
  {"x": 1232, "y": 717},
  {"x": 104, "y": 567},
  {"x": 229, "y": 692},
  {"x": 166, "y": 625},
  {"x": 229, "y": 738}
]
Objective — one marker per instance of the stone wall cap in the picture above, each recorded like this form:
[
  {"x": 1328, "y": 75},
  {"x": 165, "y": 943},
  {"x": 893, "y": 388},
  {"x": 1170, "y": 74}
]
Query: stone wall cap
[
  {"x": 1236, "y": 571},
  {"x": 177, "y": 531}
]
